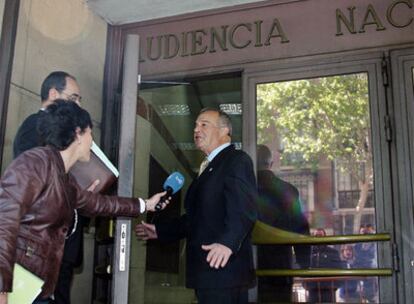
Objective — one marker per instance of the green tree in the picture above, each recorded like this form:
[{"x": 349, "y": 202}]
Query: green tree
[{"x": 321, "y": 118}]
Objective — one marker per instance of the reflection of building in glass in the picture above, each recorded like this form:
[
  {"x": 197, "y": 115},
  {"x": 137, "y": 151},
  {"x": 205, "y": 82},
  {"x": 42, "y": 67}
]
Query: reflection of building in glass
[
  {"x": 329, "y": 195},
  {"x": 303, "y": 180},
  {"x": 319, "y": 131},
  {"x": 346, "y": 201}
]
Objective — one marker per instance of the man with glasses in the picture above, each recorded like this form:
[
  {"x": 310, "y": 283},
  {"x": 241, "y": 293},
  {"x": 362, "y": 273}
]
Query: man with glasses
[{"x": 57, "y": 85}]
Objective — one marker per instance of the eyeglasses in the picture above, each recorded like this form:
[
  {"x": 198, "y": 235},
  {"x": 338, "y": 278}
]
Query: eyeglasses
[{"x": 72, "y": 97}]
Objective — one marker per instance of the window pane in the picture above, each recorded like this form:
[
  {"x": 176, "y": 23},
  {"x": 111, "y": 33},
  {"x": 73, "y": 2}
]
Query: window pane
[{"x": 319, "y": 135}]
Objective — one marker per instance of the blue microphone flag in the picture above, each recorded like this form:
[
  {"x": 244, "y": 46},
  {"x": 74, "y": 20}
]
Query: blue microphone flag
[
  {"x": 175, "y": 181},
  {"x": 172, "y": 184}
]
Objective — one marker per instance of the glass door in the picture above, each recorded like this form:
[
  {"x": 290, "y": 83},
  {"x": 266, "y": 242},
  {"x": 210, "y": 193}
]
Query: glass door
[
  {"x": 322, "y": 163},
  {"x": 167, "y": 110}
]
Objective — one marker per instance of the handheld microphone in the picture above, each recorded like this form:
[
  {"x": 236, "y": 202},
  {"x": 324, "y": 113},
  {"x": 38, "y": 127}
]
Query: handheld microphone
[{"x": 172, "y": 184}]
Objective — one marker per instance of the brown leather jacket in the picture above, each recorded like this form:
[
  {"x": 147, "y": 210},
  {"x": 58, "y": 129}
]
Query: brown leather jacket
[{"x": 37, "y": 199}]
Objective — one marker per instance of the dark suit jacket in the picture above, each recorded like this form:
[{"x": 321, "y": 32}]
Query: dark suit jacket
[
  {"x": 324, "y": 256},
  {"x": 220, "y": 208},
  {"x": 279, "y": 206},
  {"x": 28, "y": 138}
]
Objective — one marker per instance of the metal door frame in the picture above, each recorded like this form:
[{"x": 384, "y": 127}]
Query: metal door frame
[
  {"x": 7, "y": 44},
  {"x": 122, "y": 243},
  {"x": 402, "y": 63}
]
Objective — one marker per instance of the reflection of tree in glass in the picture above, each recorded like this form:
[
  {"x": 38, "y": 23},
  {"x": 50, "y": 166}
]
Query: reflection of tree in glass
[{"x": 321, "y": 118}]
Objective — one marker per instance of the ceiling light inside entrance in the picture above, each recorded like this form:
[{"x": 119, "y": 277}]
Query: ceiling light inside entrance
[
  {"x": 173, "y": 110},
  {"x": 231, "y": 108}
]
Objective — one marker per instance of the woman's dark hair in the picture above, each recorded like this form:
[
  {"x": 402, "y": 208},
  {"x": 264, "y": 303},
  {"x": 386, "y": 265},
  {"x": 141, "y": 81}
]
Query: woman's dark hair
[{"x": 57, "y": 126}]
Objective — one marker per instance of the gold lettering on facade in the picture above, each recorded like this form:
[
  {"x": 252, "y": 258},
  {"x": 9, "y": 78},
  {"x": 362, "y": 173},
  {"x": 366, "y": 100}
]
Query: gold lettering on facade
[
  {"x": 215, "y": 39},
  {"x": 259, "y": 34},
  {"x": 171, "y": 41},
  {"x": 150, "y": 48},
  {"x": 279, "y": 33},
  {"x": 222, "y": 40},
  {"x": 197, "y": 41},
  {"x": 258, "y": 25},
  {"x": 141, "y": 59},
  {"x": 233, "y": 31},
  {"x": 184, "y": 51},
  {"x": 371, "y": 18},
  {"x": 349, "y": 23},
  {"x": 390, "y": 16}
]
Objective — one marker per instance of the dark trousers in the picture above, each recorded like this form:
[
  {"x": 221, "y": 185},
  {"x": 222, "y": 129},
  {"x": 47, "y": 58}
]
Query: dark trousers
[
  {"x": 41, "y": 302},
  {"x": 277, "y": 293},
  {"x": 222, "y": 295},
  {"x": 64, "y": 283},
  {"x": 322, "y": 295}
]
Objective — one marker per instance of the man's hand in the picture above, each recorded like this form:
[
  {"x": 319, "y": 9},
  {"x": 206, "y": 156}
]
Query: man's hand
[
  {"x": 3, "y": 298},
  {"x": 153, "y": 200},
  {"x": 145, "y": 231},
  {"x": 93, "y": 185},
  {"x": 218, "y": 255}
]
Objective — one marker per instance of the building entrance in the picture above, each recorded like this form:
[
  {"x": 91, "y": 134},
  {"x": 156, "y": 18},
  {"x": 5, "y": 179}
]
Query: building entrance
[
  {"x": 332, "y": 124},
  {"x": 167, "y": 110}
]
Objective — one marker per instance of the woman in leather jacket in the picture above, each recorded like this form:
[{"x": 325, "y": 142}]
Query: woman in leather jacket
[{"x": 38, "y": 198}]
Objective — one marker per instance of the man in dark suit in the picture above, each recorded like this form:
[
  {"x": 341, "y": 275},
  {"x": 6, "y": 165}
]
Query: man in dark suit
[
  {"x": 324, "y": 256},
  {"x": 279, "y": 206},
  {"x": 57, "y": 85},
  {"x": 220, "y": 213}
]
